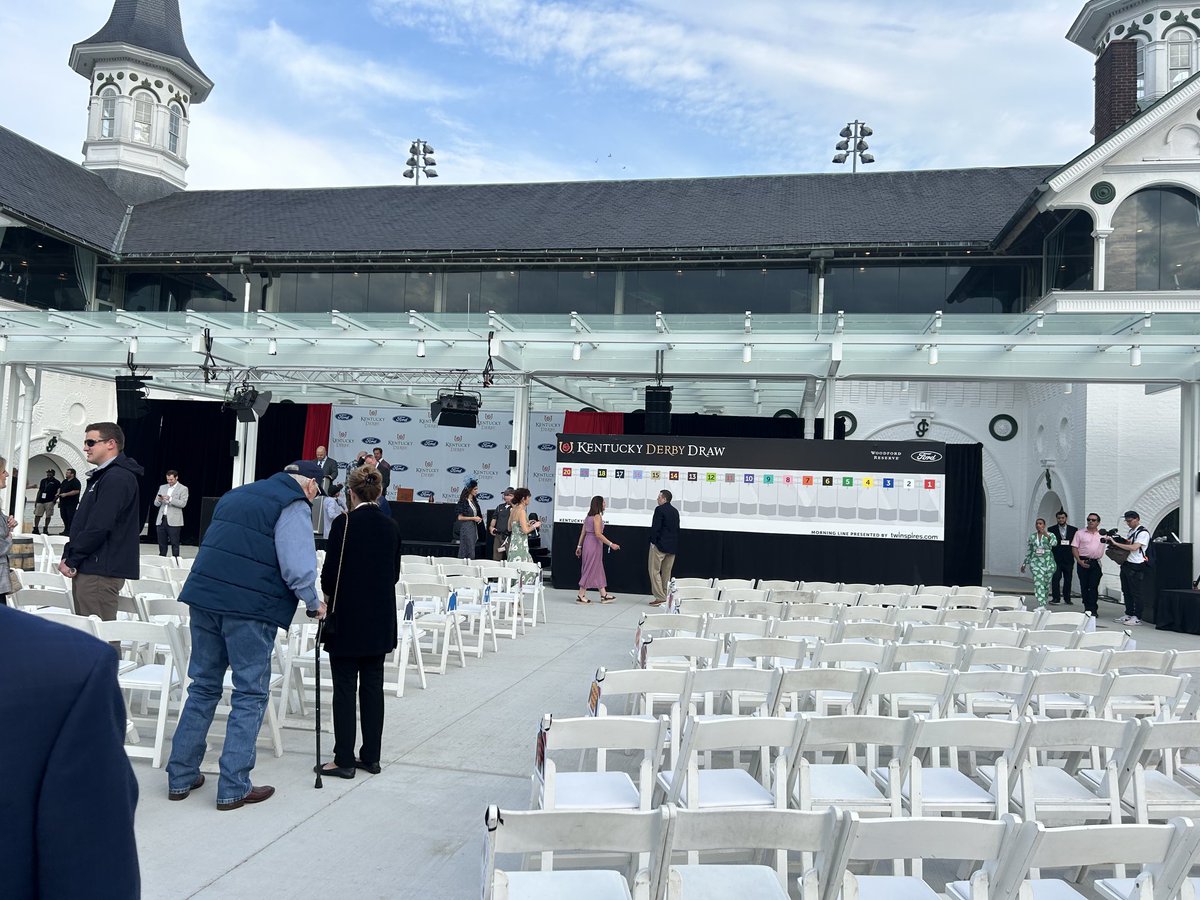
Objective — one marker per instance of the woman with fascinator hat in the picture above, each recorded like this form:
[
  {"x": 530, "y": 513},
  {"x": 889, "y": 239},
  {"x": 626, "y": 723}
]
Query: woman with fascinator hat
[{"x": 470, "y": 519}]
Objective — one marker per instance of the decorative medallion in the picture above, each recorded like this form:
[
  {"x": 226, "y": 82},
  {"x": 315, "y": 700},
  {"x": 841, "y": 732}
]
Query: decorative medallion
[
  {"x": 1103, "y": 192},
  {"x": 1003, "y": 427},
  {"x": 1147, "y": 18},
  {"x": 851, "y": 421},
  {"x": 158, "y": 84},
  {"x": 1120, "y": 29}
]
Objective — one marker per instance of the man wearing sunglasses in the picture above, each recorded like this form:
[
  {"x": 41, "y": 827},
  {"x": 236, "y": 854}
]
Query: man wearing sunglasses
[
  {"x": 103, "y": 551},
  {"x": 1088, "y": 551}
]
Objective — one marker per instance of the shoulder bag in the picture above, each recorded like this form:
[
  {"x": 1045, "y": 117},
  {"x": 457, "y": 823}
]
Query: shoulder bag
[{"x": 329, "y": 625}]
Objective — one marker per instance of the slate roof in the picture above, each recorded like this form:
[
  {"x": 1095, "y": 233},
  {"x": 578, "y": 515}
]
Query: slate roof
[
  {"x": 149, "y": 24},
  {"x": 956, "y": 207},
  {"x": 44, "y": 187}
]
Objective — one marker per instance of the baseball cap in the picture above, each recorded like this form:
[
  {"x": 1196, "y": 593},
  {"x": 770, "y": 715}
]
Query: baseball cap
[
  {"x": 306, "y": 468},
  {"x": 1131, "y": 514},
  {"x": 507, "y": 492},
  {"x": 49, "y": 471}
]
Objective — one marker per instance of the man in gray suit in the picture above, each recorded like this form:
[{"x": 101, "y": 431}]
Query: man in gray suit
[
  {"x": 172, "y": 498},
  {"x": 329, "y": 470}
]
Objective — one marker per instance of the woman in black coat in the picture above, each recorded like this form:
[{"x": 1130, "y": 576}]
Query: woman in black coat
[{"x": 364, "y": 544}]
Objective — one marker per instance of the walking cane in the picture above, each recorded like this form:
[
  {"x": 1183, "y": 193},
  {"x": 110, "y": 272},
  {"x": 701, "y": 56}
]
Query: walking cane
[{"x": 317, "y": 660}]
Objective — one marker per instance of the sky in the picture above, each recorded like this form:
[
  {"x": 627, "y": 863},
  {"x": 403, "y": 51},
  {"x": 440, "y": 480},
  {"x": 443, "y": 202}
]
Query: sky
[{"x": 331, "y": 92}]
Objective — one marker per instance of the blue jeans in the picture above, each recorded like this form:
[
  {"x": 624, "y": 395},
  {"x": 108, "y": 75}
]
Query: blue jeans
[{"x": 221, "y": 642}]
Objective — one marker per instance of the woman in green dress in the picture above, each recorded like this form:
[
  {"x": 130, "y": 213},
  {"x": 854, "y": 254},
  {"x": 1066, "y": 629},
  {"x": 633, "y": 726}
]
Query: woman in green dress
[
  {"x": 521, "y": 527},
  {"x": 1039, "y": 557}
]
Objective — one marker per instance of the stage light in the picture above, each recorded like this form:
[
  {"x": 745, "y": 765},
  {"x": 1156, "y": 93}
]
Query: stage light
[
  {"x": 1135, "y": 355},
  {"x": 455, "y": 409},
  {"x": 272, "y": 346},
  {"x": 421, "y": 348},
  {"x": 3, "y": 343},
  {"x": 248, "y": 403},
  {"x": 133, "y": 345},
  {"x": 576, "y": 351},
  {"x": 933, "y": 354},
  {"x": 747, "y": 352}
]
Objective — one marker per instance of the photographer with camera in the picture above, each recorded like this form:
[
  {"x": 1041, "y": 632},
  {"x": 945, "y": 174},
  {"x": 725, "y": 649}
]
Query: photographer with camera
[
  {"x": 1133, "y": 568},
  {"x": 1088, "y": 550}
]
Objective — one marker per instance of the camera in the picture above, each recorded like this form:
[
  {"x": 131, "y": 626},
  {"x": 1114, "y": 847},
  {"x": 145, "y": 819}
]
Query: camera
[{"x": 1110, "y": 533}]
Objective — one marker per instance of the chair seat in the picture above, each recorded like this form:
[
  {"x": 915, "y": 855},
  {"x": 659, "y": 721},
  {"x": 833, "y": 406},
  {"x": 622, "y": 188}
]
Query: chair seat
[
  {"x": 724, "y": 789},
  {"x": 719, "y": 882},
  {"x": 837, "y": 783},
  {"x": 585, "y": 884},
  {"x": 886, "y": 887},
  {"x": 1056, "y": 786},
  {"x": 595, "y": 790},
  {"x": 145, "y": 677},
  {"x": 1043, "y": 889},
  {"x": 943, "y": 788}
]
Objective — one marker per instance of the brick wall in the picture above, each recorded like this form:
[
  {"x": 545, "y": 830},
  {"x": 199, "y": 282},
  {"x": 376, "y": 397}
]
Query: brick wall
[{"x": 1116, "y": 87}]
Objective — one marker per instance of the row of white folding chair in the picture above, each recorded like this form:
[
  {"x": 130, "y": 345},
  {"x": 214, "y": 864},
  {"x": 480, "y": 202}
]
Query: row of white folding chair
[
  {"x": 784, "y": 584},
  {"x": 1014, "y": 855},
  {"x": 776, "y": 605},
  {"x": 49, "y": 549}
]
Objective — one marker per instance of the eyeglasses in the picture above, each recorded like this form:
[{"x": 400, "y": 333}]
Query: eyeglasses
[
  {"x": 1090, "y": 519},
  {"x": 91, "y": 442}
]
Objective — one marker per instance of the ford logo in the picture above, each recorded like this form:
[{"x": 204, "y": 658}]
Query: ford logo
[
  {"x": 370, "y": 440},
  {"x": 397, "y": 467},
  {"x": 456, "y": 470},
  {"x": 566, "y": 447},
  {"x": 424, "y": 493},
  {"x": 926, "y": 456},
  {"x": 488, "y": 445},
  {"x": 343, "y": 417},
  {"x": 544, "y": 498},
  {"x": 545, "y": 447},
  {"x": 429, "y": 443},
  {"x": 482, "y": 496},
  {"x": 401, "y": 418}
]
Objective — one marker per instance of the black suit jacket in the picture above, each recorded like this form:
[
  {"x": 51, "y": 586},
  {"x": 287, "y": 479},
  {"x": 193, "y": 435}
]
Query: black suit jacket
[
  {"x": 1063, "y": 554},
  {"x": 365, "y": 607},
  {"x": 68, "y": 793},
  {"x": 664, "y": 528}
]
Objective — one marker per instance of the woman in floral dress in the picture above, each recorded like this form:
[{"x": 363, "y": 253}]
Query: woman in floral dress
[
  {"x": 521, "y": 528},
  {"x": 1040, "y": 560}
]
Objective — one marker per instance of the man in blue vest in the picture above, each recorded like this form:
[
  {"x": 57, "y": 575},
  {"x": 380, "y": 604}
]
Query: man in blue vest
[{"x": 256, "y": 561}]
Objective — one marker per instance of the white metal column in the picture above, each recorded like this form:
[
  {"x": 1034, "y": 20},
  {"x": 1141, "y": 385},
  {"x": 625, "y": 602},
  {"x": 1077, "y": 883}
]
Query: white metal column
[
  {"x": 1189, "y": 466},
  {"x": 239, "y": 459},
  {"x": 520, "y": 432},
  {"x": 30, "y": 393}
]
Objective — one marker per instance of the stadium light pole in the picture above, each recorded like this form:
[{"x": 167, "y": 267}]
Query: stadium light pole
[
  {"x": 853, "y": 145},
  {"x": 420, "y": 161}
]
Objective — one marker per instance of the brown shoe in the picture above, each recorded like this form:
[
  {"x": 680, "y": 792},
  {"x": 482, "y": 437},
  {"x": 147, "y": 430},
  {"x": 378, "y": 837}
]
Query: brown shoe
[
  {"x": 256, "y": 795},
  {"x": 658, "y": 602},
  {"x": 183, "y": 795}
]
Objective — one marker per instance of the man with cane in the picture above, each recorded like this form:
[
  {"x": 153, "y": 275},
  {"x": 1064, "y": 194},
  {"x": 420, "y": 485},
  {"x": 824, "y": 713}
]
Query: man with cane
[{"x": 257, "y": 559}]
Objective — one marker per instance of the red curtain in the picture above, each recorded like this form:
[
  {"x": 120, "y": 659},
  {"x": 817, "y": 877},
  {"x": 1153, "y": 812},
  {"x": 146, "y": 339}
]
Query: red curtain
[
  {"x": 594, "y": 423},
  {"x": 316, "y": 429}
]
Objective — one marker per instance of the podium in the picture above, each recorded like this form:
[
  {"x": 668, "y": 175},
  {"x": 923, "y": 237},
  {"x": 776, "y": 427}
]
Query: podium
[{"x": 1172, "y": 571}]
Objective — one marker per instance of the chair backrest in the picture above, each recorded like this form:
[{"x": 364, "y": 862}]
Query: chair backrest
[
  {"x": 858, "y": 587},
  {"x": 53, "y": 581},
  {"x": 1058, "y": 659},
  {"x": 870, "y": 631},
  {"x": 418, "y": 590},
  {"x": 467, "y": 585},
  {"x": 1017, "y": 659},
  {"x": 155, "y": 573},
  {"x": 458, "y": 568},
  {"x": 737, "y": 595},
  {"x": 723, "y": 626},
  {"x": 972, "y": 590},
  {"x": 1099, "y": 640},
  {"x": 602, "y": 733},
  {"x": 723, "y": 584},
  {"x": 882, "y": 598},
  {"x": 819, "y": 586},
  {"x": 1070, "y": 735},
  {"x": 417, "y": 566},
  {"x": 640, "y": 688},
  {"x": 932, "y": 599},
  {"x": 692, "y": 583},
  {"x": 973, "y": 618},
  {"x": 836, "y": 598},
  {"x": 821, "y": 612},
  {"x": 1091, "y": 687},
  {"x": 1063, "y": 621},
  {"x": 1141, "y": 661},
  {"x": 935, "y": 634},
  {"x": 858, "y": 653},
  {"x": 763, "y": 609},
  {"x": 1163, "y": 694},
  {"x": 669, "y": 651},
  {"x": 791, "y": 595},
  {"x": 860, "y": 736},
  {"x": 901, "y": 684},
  {"x": 1004, "y": 637},
  {"x": 1186, "y": 661},
  {"x": 86, "y": 624},
  {"x": 768, "y": 652},
  {"x": 926, "y": 656},
  {"x": 668, "y": 625},
  {"x": 1015, "y": 618},
  {"x": 916, "y": 615},
  {"x": 696, "y": 592},
  {"x": 29, "y": 597},
  {"x": 812, "y": 629},
  {"x": 776, "y": 584},
  {"x": 791, "y": 682},
  {"x": 1005, "y": 736},
  {"x": 1006, "y": 601},
  {"x": 698, "y": 607},
  {"x": 984, "y": 686},
  {"x": 898, "y": 588},
  {"x": 867, "y": 613},
  {"x": 740, "y": 733},
  {"x": 1049, "y": 637},
  {"x": 155, "y": 609}
]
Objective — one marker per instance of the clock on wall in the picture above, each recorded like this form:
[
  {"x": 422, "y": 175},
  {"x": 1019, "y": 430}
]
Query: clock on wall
[{"x": 1003, "y": 427}]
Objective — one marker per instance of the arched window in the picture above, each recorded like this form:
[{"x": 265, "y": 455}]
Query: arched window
[
  {"x": 108, "y": 112},
  {"x": 173, "y": 126},
  {"x": 1155, "y": 243},
  {"x": 1180, "y": 53},
  {"x": 143, "y": 117}
]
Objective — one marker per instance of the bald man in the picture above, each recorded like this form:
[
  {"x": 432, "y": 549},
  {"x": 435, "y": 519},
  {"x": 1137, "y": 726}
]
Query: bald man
[{"x": 329, "y": 470}]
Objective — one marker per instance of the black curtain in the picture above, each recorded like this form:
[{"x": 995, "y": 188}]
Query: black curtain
[
  {"x": 964, "y": 515},
  {"x": 697, "y": 425},
  {"x": 194, "y": 437}
]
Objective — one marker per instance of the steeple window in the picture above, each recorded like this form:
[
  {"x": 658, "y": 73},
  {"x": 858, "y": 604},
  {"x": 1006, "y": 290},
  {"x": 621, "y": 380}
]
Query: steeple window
[
  {"x": 174, "y": 123},
  {"x": 108, "y": 113},
  {"x": 1180, "y": 56},
  {"x": 143, "y": 118}
]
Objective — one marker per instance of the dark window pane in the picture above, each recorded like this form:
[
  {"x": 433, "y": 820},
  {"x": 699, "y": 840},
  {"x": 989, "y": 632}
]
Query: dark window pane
[
  {"x": 1155, "y": 242},
  {"x": 579, "y": 291},
  {"x": 537, "y": 291},
  {"x": 350, "y": 291},
  {"x": 418, "y": 291},
  {"x": 38, "y": 270},
  {"x": 141, "y": 292},
  {"x": 498, "y": 291},
  {"x": 287, "y": 292},
  {"x": 314, "y": 292},
  {"x": 386, "y": 292},
  {"x": 459, "y": 287}
]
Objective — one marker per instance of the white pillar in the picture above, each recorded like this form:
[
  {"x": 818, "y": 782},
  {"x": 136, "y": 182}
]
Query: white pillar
[
  {"x": 31, "y": 389},
  {"x": 1101, "y": 237},
  {"x": 1189, "y": 467},
  {"x": 250, "y": 453},
  {"x": 520, "y": 432},
  {"x": 7, "y": 411}
]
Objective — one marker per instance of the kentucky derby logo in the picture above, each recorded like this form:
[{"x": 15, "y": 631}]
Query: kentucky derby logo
[
  {"x": 566, "y": 447},
  {"x": 926, "y": 456}
]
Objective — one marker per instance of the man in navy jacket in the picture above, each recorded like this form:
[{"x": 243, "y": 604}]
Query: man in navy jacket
[
  {"x": 103, "y": 550},
  {"x": 664, "y": 543},
  {"x": 68, "y": 794}
]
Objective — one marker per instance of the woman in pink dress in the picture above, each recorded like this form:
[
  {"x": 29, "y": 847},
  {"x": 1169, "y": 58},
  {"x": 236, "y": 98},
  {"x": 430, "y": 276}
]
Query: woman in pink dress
[{"x": 590, "y": 550}]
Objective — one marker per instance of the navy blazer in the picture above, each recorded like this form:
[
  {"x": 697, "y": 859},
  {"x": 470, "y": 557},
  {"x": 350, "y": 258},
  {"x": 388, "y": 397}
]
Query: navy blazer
[
  {"x": 68, "y": 793},
  {"x": 664, "y": 528}
]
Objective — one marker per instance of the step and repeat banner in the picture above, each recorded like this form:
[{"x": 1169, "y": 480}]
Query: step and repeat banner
[
  {"x": 436, "y": 460},
  {"x": 863, "y": 489}
]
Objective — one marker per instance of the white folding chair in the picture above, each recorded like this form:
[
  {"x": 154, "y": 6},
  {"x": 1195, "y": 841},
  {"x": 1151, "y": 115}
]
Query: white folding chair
[
  {"x": 648, "y": 694},
  {"x": 475, "y": 605},
  {"x": 905, "y": 693},
  {"x": 1143, "y": 694},
  {"x": 773, "y": 831},
  {"x": 857, "y": 587},
  {"x": 776, "y": 584},
  {"x": 912, "y": 841},
  {"x": 445, "y": 632},
  {"x": 507, "y": 595},
  {"x": 768, "y": 652},
  {"x": 546, "y": 832},
  {"x": 408, "y": 646},
  {"x": 161, "y": 680},
  {"x": 31, "y": 598},
  {"x": 679, "y": 653},
  {"x": 819, "y": 586},
  {"x": 820, "y": 690},
  {"x": 86, "y": 624},
  {"x": 990, "y": 692},
  {"x": 1069, "y": 693},
  {"x": 532, "y": 588},
  {"x": 692, "y": 583},
  {"x": 723, "y": 584}
]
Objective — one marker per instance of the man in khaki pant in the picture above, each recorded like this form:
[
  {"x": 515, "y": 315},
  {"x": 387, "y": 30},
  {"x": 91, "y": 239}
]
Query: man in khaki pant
[
  {"x": 103, "y": 550},
  {"x": 664, "y": 542}
]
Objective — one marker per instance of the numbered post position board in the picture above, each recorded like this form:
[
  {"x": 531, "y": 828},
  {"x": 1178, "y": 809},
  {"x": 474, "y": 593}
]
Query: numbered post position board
[{"x": 865, "y": 489}]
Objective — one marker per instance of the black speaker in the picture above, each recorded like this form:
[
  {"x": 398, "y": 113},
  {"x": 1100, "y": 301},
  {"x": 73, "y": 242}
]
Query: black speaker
[
  {"x": 131, "y": 397},
  {"x": 1172, "y": 571},
  {"x": 512, "y": 459},
  {"x": 839, "y": 428},
  {"x": 234, "y": 449},
  {"x": 458, "y": 419},
  {"x": 819, "y": 428},
  {"x": 658, "y": 409}
]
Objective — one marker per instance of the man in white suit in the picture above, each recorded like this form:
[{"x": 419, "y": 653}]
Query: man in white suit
[{"x": 172, "y": 498}]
